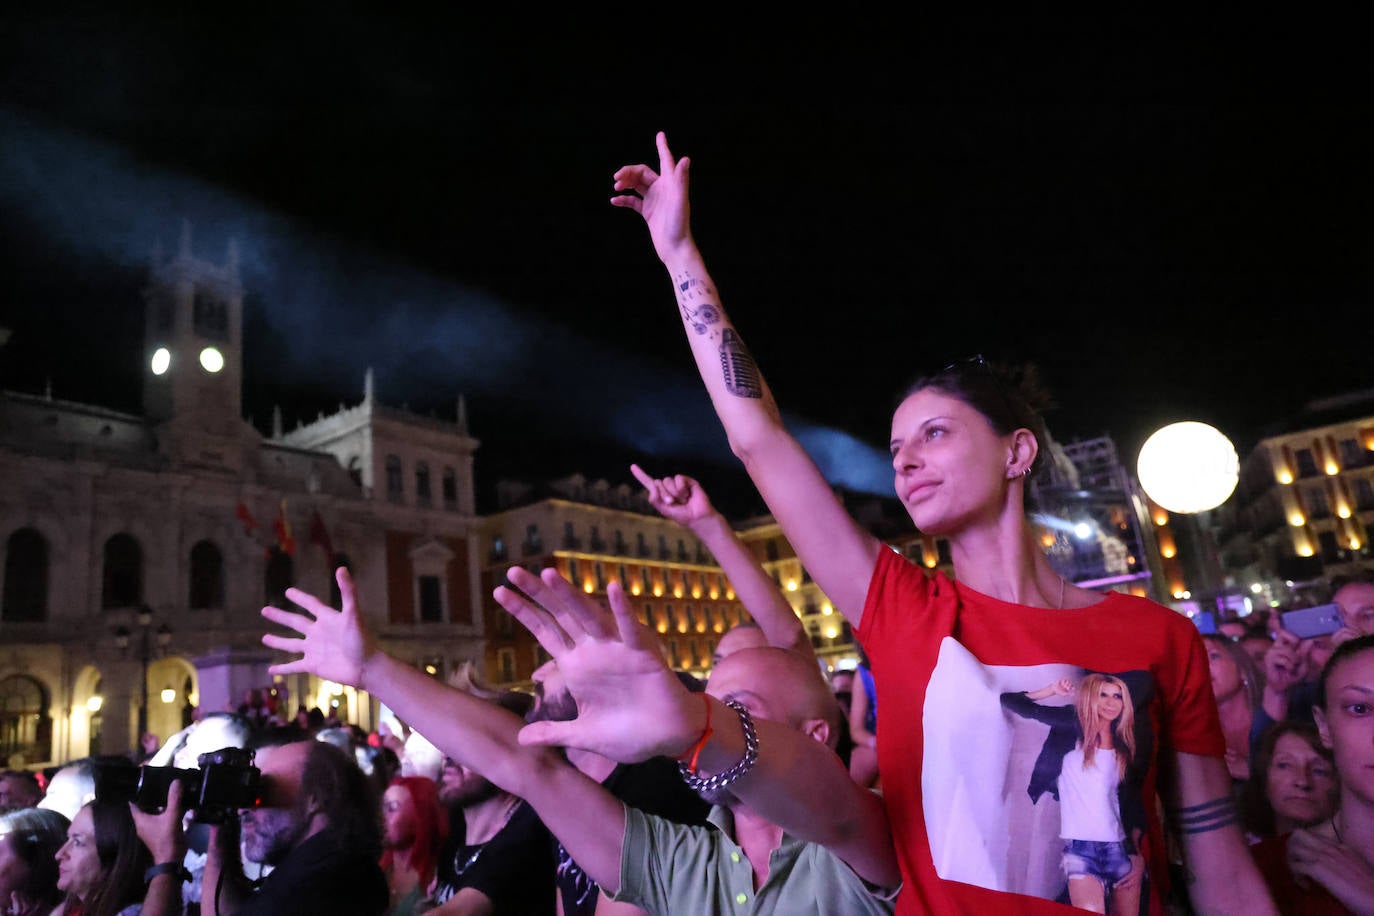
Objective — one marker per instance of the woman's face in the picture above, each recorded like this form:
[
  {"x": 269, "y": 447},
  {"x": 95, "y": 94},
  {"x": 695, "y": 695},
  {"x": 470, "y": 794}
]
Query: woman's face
[
  {"x": 398, "y": 817},
  {"x": 1301, "y": 784},
  {"x": 1226, "y": 680},
  {"x": 14, "y": 871},
  {"x": 78, "y": 863},
  {"x": 1347, "y": 723},
  {"x": 951, "y": 468},
  {"x": 1109, "y": 702}
]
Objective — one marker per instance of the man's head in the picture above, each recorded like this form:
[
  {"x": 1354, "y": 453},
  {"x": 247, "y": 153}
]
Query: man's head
[
  {"x": 460, "y": 787},
  {"x": 70, "y": 788},
  {"x": 748, "y": 635},
  {"x": 842, "y": 681},
  {"x": 215, "y": 731},
  {"x": 553, "y": 702},
  {"x": 18, "y": 789},
  {"x": 308, "y": 786},
  {"x": 780, "y": 686},
  {"x": 1355, "y": 598}
]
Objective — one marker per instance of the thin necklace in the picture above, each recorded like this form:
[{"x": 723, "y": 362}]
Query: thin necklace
[{"x": 1059, "y": 605}]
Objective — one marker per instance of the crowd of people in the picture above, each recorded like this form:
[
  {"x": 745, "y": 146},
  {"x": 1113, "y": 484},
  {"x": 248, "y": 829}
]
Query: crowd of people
[{"x": 1043, "y": 745}]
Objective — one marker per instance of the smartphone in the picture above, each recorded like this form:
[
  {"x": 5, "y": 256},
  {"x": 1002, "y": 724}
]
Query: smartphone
[
  {"x": 1307, "y": 622},
  {"x": 1206, "y": 621}
]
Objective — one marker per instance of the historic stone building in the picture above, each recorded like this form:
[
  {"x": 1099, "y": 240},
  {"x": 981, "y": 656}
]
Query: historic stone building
[{"x": 138, "y": 550}]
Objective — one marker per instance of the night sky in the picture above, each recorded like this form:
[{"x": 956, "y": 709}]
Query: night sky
[{"x": 1171, "y": 219}]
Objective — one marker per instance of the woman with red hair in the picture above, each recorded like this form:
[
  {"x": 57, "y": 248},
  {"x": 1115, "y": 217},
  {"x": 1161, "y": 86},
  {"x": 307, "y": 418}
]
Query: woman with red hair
[{"x": 414, "y": 829}]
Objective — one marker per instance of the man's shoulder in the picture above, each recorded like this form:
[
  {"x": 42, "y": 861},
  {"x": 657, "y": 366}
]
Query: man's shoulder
[{"x": 656, "y": 786}]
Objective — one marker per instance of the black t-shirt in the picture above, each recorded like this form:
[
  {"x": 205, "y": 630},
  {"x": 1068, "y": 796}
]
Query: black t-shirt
[
  {"x": 654, "y": 786},
  {"x": 322, "y": 875},
  {"x": 514, "y": 869}
]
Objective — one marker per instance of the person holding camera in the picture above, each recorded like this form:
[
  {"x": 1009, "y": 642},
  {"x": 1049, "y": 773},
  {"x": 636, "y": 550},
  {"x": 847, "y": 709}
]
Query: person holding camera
[{"x": 316, "y": 827}]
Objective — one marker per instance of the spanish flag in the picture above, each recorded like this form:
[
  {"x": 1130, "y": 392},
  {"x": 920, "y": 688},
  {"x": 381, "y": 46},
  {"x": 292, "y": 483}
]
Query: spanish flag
[{"x": 285, "y": 542}]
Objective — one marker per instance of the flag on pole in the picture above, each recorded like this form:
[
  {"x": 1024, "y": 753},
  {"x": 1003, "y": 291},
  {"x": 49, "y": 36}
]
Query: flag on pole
[
  {"x": 285, "y": 542},
  {"x": 246, "y": 517},
  {"x": 320, "y": 535}
]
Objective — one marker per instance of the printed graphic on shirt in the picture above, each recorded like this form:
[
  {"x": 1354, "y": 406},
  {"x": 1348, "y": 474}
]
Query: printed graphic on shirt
[{"x": 1032, "y": 779}]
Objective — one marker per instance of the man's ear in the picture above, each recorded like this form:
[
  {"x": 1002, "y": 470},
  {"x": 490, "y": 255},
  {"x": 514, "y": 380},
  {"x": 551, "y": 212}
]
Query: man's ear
[{"x": 818, "y": 729}]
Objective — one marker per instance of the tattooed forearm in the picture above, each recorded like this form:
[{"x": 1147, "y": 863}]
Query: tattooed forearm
[
  {"x": 737, "y": 367},
  {"x": 1208, "y": 816},
  {"x": 695, "y": 298}
]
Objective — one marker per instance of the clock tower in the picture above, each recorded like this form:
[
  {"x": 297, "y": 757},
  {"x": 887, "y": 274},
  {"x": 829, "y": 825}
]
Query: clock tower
[{"x": 193, "y": 365}]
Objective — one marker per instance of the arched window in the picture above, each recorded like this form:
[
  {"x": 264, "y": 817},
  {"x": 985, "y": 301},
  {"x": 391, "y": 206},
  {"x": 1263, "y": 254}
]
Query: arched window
[
  {"x": 422, "y": 491},
  {"x": 394, "y": 481},
  {"x": 26, "y": 577},
  {"x": 450, "y": 489},
  {"x": 207, "y": 576},
  {"x": 122, "y": 585},
  {"x": 25, "y": 727},
  {"x": 279, "y": 576}
]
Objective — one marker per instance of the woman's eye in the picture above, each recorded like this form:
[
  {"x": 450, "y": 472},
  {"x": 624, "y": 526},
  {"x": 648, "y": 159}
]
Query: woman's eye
[
  {"x": 1358, "y": 709},
  {"x": 934, "y": 431}
]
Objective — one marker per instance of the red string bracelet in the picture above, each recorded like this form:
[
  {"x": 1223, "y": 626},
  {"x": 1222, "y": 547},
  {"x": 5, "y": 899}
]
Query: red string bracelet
[{"x": 695, "y": 750}]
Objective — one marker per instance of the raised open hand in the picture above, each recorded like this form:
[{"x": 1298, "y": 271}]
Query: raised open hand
[
  {"x": 630, "y": 704},
  {"x": 334, "y": 644},
  {"x": 679, "y": 498},
  {"x": 660, "y": 197}
]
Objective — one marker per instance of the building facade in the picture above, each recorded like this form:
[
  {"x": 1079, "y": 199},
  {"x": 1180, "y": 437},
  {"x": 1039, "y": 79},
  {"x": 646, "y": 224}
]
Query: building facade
[
  {"x": 1303, "y": 510},
  {"x": 138, "y": 549}
]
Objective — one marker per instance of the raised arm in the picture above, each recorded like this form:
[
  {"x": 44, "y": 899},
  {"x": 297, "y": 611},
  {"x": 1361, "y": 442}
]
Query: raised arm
[
  {"x": 587, "y": 819},
  {"x": 630, "y": 706},
  {"x": 838, "y": 553},
  {"x": 681, "y": 499}
]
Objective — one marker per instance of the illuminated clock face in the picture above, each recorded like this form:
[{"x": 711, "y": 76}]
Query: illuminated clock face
[
  {"x": 211, "y": 360},
  {"x": 162, "y": 360}
]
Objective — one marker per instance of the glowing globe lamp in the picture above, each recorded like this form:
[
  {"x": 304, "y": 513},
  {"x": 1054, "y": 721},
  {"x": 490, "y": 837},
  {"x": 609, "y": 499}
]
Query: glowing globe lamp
[
  {"x": 162, "y": 360},
  {"x": 211, "y": 360},
  {"x": 1188, "y": 467}
]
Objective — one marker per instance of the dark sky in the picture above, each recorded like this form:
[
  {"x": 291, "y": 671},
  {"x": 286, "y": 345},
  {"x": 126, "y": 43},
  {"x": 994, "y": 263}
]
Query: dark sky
[{"x": 1171, "y": 219}]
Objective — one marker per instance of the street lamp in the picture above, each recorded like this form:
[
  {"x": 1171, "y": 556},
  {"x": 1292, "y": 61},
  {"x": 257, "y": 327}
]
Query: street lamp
[{"x": 163, "y": 636}]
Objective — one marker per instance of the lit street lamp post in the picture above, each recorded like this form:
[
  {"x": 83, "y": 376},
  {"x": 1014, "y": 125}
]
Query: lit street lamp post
[{"x": 164, "y": 638}]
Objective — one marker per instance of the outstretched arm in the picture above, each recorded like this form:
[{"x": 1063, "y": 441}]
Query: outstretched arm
[
  {"x": 834, "y": 548},
  {"x": 587, "y": 819},
  {"x": 682, "y": 499},
  {"x": 631, "y": 706}
]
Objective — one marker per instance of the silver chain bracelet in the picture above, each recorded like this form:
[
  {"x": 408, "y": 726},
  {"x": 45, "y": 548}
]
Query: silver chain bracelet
[{"x": 745, "y": 764}]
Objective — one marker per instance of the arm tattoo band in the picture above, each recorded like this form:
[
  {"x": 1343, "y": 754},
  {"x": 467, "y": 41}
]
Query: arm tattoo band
[{"x": 1203, "y": 818}]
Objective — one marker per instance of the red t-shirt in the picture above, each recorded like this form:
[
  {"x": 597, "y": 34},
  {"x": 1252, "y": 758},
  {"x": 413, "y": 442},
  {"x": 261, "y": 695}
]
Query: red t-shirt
[
  {"x": 970, "y": 764},
  {"x": 1292, "y": 898}
]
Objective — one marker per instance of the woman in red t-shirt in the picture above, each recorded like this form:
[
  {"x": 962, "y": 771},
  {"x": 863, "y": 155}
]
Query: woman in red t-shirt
[{"x": 964, "y": 444}]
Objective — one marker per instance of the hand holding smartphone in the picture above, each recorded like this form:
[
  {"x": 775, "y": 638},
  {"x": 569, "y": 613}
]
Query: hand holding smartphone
[{"x": 1310, "y": 622}]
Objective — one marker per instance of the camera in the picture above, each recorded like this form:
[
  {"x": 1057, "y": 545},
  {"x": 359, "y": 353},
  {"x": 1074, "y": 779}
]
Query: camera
[{"x": 225, "y": 782}]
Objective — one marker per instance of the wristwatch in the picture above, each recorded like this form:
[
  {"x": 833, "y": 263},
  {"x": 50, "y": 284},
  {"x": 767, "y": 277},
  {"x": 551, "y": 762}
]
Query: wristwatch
[{"x": 167, "y": 868}]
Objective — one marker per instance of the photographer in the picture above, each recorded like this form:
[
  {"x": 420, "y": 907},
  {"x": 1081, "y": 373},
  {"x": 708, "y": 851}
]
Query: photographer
[{"x": 316, "y": 827}]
